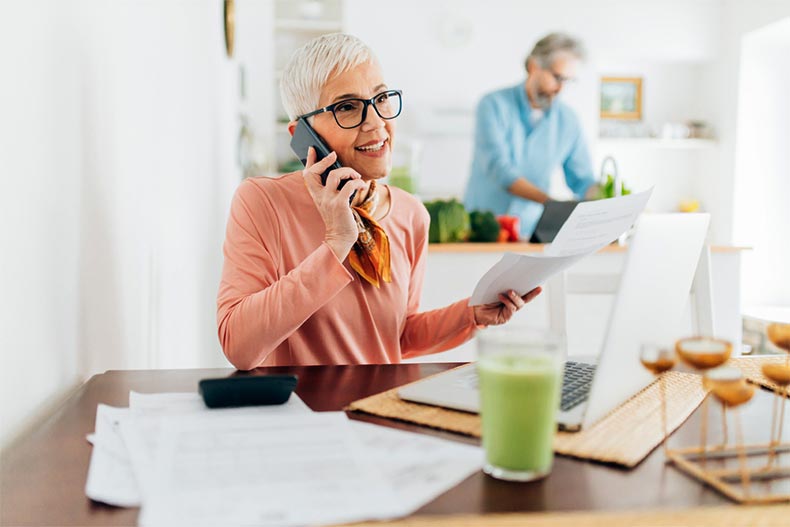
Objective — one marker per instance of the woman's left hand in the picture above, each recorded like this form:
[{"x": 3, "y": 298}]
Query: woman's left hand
[{"x": 497, "y": 313}]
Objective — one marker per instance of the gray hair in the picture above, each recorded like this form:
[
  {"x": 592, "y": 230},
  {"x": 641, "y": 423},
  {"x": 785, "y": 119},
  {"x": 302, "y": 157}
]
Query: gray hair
[
  {"x": 553, "y": 44},
  {"x": 310, "y": 67}
]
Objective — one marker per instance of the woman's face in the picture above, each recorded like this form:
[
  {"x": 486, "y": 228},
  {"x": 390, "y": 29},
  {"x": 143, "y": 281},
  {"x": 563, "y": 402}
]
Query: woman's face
[{"x": 368, "y": 147}]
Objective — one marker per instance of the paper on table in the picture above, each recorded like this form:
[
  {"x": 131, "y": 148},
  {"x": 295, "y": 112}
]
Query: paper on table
[
  {"x": 417, "y": 466},
  {"x": 141, "y": 434},
  {"x": 283, "y": 470},
  {"x": 110, "y": 476},
  {"x": 590, "y": 227}
]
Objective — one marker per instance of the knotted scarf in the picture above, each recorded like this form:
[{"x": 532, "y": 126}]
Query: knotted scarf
[{"x": 370, "y": 257}]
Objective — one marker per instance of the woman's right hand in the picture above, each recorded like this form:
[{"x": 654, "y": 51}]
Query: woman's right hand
[{"x": 333, "y": 204}]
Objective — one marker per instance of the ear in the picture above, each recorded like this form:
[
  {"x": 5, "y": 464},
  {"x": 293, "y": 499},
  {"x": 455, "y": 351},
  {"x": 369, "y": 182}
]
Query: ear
[
  {"x": 531, "y": 66},
  {"x": 291, "y": 127}
]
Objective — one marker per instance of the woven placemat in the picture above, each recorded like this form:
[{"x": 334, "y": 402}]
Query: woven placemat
[
  {"x": 726, "y": 516},
  {"x": 752, "y": 369},
  {"x": 624, "y": 437}
]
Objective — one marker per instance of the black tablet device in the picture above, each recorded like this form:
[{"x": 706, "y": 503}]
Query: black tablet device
[
  {"x": 247, "y": 390},
  {"x": 551, "y": 221}
]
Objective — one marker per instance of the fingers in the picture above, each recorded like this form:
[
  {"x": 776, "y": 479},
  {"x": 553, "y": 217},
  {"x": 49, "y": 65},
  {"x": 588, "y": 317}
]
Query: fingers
[
  {"x": 349, "y": 188},
  {"x": 321, "y": 166},
  {"x": 334, "y": 178},
  {"x": 532, "y": 294}
]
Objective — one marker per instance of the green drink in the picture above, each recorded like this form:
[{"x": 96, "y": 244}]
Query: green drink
[{"x": 519, "y": 391}]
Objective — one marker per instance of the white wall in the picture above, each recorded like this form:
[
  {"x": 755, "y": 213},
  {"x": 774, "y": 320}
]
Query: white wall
[
  {"x": 40, "y": 167},
  {"x": 118, "y": 144},
  {"x": 446, "y": 55},
  {"x": 761, "y": 216}
]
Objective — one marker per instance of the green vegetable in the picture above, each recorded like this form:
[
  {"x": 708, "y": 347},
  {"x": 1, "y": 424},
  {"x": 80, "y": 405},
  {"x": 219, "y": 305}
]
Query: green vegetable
[
  {"x": 449, "y": 221},
  {"x": 485, "y": 227},
  {"x": 607, "y": 190}
]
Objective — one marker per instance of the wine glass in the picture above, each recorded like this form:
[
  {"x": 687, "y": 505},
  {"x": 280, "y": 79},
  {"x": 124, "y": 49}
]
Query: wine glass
[
  {"x": 729, "y": 386},
  {"x": 704, "y": 353},
  {"x": 779, "y": 335},
  {"x": 659, "y": 359}
]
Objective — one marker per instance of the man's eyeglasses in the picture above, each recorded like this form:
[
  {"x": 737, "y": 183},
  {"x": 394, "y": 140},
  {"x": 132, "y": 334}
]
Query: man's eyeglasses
[
  {"x": 561, "y": 79},
  {"x": 350, "y": 113}
]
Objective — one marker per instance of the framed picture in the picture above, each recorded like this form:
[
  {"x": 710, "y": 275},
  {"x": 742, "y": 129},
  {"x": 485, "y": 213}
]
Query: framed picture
[{"x": 621, "y": 98}]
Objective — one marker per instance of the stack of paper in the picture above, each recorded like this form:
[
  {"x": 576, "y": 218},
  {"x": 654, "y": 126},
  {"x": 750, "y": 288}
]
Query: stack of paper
[
  {"x": 279, "y": 465},
  {"x": 591, "y": 226}
]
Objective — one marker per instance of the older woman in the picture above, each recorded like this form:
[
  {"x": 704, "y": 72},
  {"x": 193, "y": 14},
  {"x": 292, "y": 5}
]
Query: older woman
[{"x": 310, "y": 279}]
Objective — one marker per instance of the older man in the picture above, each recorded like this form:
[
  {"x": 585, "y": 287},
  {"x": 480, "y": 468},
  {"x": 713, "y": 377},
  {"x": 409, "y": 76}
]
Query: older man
[{"x": 524, "y": 133}]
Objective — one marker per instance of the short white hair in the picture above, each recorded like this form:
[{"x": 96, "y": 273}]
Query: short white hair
[
  {"x": 549, "y": 47},
  {"x": 310, "y": 67}
]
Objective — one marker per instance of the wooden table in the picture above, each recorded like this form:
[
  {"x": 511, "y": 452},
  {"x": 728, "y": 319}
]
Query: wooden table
[{"x": 42, "y": 477}]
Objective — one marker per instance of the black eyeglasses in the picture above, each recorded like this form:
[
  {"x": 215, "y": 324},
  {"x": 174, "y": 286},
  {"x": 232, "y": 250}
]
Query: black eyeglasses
[
  {"x": 350, "y": 113},
  {"x": 560, "y": 78}
]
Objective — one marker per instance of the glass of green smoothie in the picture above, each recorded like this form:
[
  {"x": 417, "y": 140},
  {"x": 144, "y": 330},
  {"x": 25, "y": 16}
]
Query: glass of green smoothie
[{"x": 520, "y": 377}]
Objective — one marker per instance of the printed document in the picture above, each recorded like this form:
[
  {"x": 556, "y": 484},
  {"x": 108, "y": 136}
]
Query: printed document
[{"x": 591, "y": 226}]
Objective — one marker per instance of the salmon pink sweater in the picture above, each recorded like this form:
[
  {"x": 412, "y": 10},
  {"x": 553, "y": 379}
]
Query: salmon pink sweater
[{"x": 285, "y": 298}]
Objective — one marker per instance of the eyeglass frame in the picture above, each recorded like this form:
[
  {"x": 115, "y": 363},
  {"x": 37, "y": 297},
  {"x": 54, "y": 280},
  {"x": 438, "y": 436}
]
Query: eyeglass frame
[
  {"x": 365, "y": 102},
  {"x": 559, "y": 79}
]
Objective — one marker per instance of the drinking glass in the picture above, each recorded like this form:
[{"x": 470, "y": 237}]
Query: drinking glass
[{"x": 520, "y": 373}]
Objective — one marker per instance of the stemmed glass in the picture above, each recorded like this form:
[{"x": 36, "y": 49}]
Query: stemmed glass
[
  {"x": 704, "y": 353},
  {"x": 779, "y": 335},
  {"x": 729, "y": 386},
  {"x": 659, "y": 359}
]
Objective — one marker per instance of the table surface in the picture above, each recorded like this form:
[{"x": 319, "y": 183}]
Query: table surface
[{"x": 42, "y": 476}]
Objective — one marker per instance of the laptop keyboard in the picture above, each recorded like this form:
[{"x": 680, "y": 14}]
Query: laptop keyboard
[{"x": 576, "y": 382}]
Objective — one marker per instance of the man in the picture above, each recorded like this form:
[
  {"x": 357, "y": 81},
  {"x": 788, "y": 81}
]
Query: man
[{"x": 524, "y": 133}]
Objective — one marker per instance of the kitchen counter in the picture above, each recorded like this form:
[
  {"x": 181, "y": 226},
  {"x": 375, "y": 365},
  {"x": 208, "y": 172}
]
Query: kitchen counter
[
  {"x": 520, "y": 247},
  {"x": 453, "y": 269}
]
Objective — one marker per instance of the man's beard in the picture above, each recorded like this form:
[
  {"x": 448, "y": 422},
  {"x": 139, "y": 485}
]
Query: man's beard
[{"x": 543, "y": 100}]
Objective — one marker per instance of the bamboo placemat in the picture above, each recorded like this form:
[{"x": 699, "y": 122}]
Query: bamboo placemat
[
  {"x": 625, "y": 436},
  {"x": 725, "y": 516},
  {"x": 752, "y": 368}
]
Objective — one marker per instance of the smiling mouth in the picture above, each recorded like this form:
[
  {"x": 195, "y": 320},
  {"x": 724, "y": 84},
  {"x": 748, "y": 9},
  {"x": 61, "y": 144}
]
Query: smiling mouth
[{"x": 375, "y": 147}]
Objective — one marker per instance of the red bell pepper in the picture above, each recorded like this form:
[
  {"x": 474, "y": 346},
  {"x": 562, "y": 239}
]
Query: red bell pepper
[{"x": 509, "y": 224}]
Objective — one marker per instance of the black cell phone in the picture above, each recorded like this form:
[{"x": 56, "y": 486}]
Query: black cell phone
[
  {"x": 253, "y": 390},
  {"x": 304, "y": 137}
]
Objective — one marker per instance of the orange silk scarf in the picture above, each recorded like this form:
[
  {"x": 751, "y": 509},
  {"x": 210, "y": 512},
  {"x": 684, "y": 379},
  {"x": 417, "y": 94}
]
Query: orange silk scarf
[{"x": 370, "y": 257}]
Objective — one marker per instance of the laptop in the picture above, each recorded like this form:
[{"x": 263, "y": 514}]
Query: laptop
[
  {"x": 551, "y": 221},
  {"x": 648, "y": 307}
]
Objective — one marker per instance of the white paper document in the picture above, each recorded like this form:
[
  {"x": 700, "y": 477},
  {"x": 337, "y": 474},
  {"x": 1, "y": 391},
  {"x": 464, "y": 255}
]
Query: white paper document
[
  {"x": 591, "y": 226},
  {"x": 110, "y": 476},
  {"x": 278, "y": 465},
  {"x": 279, "y": 471},
  {"x": 117, "y": 473}
]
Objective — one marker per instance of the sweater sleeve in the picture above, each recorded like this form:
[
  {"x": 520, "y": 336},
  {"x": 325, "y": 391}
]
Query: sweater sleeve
[
  {"x": 437, "y": 330},
  {"x": 257, "y": 309}
]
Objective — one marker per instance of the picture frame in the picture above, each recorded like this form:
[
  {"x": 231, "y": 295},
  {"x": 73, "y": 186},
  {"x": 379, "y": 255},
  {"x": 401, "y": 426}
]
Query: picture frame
[{"x": 621, "y": 98}]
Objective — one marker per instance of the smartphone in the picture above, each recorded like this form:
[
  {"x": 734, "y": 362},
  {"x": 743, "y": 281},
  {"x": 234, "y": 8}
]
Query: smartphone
[
  {"x": 304, "y": 137},
  {"x": 253, "y": 390}
]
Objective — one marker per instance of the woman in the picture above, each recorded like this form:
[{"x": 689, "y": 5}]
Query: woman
[{"x": 310, "y": 279}]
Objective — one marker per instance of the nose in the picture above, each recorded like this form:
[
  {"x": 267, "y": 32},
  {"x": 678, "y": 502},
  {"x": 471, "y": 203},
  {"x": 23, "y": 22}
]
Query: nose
[{"x": 372, "y": 120}]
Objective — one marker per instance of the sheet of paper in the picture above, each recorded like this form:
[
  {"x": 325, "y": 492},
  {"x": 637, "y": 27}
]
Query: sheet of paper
[
  {"x": 141, "y": 430},
  {"x": 595, "y": 224},
  {"x": 111, "y": 479},
  {"x": 419, "y": 467},
  {"x": 113, "y": 467},
  {"x": 591, "y": 226},
  {"x": 282, "y": 470}
]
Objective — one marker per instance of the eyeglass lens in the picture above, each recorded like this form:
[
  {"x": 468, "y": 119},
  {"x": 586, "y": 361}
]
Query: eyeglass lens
[{"x": 351, "y": 112}]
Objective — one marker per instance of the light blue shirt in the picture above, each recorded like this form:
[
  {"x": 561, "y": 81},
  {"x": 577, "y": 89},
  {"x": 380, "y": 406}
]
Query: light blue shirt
[{"x": 508, "y": 146}]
